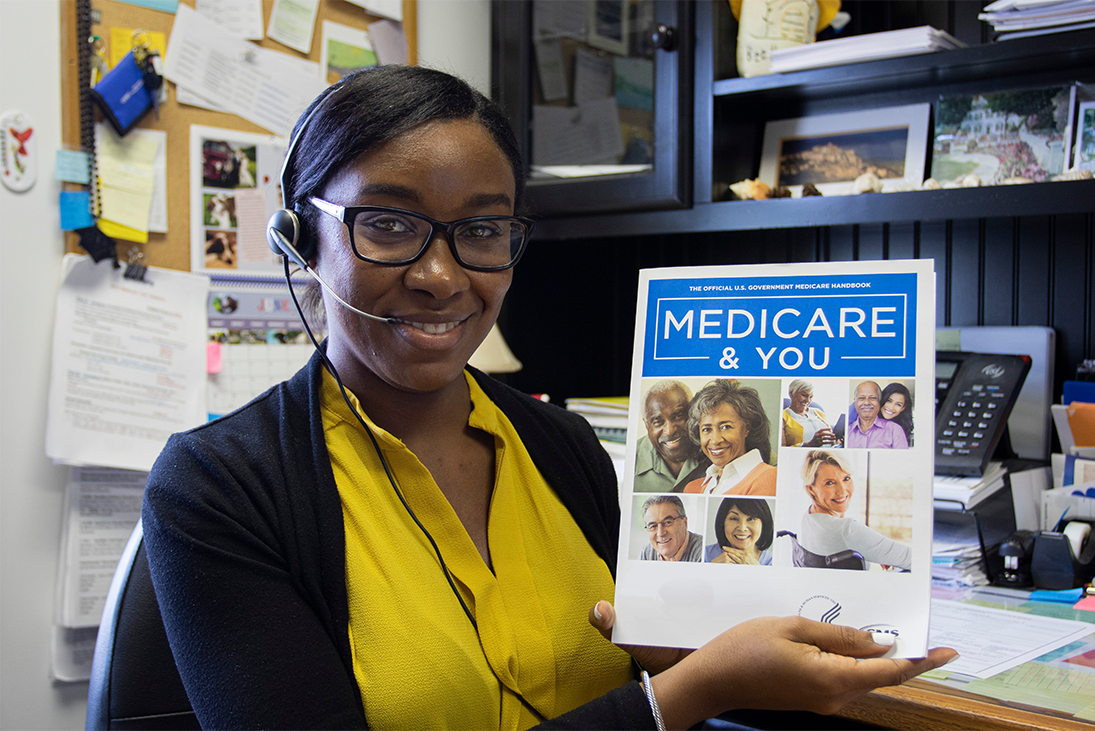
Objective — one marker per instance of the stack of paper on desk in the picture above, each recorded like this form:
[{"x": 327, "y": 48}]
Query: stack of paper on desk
[
  {"x": 968, "y": 491},
  {"x": 870, "y": 47},
  {"x": 608, "y": 417},
  {"x": 956, "y": 555}
]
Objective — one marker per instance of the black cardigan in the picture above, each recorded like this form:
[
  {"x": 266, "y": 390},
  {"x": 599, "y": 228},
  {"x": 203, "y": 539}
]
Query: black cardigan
[{"x": 247, "y": 506}]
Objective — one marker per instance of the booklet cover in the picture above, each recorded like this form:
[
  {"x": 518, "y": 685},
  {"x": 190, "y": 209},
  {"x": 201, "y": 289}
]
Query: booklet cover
[{"x": 780, "y": 451}]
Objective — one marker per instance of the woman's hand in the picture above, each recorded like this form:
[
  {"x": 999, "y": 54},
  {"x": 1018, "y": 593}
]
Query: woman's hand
[
  {"x": 737, "y": 555},
  {"x": 786, "y": 663},
  {"x": 821, "y": 438},
  {"x": 602, "y": 615}
]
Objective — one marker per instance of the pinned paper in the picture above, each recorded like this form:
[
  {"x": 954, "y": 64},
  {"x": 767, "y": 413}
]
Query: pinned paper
[
  {"x": 1081, "y": 420},
  {"x": 213, "y": 357},
  {"x": 292, "y": 23},
  {"x": 389, "y": 41},
  {"x": 75, "y": 210},
  {"x": 71, "y": 166}
]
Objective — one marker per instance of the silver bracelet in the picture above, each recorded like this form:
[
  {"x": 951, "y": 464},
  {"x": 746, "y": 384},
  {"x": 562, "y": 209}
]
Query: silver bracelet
[{"x": 653, "y": 702}]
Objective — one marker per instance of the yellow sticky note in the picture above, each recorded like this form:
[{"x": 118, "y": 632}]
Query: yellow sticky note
[
  {"x": 118, "y": 231},
  {"x": 121, "y": 43}
]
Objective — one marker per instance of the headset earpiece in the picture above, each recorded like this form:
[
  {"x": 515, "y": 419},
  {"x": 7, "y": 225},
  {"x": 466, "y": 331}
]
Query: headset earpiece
[{"x": 286, "y": 237}]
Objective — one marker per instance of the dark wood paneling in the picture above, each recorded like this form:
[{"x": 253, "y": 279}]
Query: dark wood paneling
[{"x": 571, "y": 313}]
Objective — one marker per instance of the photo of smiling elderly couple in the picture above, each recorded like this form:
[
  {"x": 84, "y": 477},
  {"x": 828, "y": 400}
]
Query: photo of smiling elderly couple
[{"x": 719, "y": 455}]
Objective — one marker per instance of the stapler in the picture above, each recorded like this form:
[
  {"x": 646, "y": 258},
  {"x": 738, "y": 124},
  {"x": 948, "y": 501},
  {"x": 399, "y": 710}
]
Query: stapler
[
  {"x": 1064, "y": 558},
  {"x": 1017, "y": 553}
]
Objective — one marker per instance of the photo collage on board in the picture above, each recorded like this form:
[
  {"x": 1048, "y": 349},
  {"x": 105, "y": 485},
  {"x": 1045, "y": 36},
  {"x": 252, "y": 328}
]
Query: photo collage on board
[{"x": 809, "y": 473}]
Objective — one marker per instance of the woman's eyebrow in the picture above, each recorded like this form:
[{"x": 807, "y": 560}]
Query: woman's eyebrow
[
  {"x": 389, "y": 189},
  {"x": 488, "y": 199}
]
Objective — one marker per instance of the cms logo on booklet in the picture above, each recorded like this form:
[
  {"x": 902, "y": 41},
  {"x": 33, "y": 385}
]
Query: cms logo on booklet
[
  {"x": 820, "y": 608},
  {"x": 882, "y": 629}
]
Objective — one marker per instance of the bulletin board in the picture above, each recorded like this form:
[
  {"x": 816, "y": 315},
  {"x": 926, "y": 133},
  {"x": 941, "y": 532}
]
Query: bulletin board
[{"x": 172, "y": 249}]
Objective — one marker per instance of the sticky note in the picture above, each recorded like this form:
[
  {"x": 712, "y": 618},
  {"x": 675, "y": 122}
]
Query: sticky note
[
  {"x": 75, "y": 210},
  {"x": 1088, "y": 603},
  {"x": 213, "y": 357},
  {"x": 1067, "y": 596},
  {"x": 71, "y": 166}
]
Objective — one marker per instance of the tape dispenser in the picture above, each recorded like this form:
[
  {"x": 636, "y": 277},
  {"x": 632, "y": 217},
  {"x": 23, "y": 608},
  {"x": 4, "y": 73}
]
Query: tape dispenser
[{"x": 1064, "y": 558}]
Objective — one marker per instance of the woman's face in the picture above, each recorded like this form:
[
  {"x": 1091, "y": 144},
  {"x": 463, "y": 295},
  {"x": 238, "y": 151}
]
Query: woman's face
[
  {"x": 800, "y": 400},
  {"x": 722, "y": 435},
  {"x": 832, "y": 490},
  {"x": 445, "y": 170},
  {"x": 894, "y": 405},
  {"x": 743, "y": 531}
]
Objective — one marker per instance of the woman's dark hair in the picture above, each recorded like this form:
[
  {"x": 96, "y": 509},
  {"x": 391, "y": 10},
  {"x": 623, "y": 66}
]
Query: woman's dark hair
[
  {"x": 756, "y": 507},
  {"x": 904, "y": 419},
  {"x": 745, "y": 400},
  {"x": 374, "y": 106}
]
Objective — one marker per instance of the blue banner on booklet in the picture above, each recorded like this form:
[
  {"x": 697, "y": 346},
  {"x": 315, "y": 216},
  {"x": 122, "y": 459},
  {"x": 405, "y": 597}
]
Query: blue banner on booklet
[
  {"x": 122, "y": 95},
  {"x": 793, "y": 326}
]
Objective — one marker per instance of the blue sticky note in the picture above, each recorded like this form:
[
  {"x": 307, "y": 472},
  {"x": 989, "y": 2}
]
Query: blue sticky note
[
  {"x": 1068, "y": 596},
  {"x": 75, "y": 210},
  {"x": 167, "y": 6},
  {"x": 71, "y": 166}
]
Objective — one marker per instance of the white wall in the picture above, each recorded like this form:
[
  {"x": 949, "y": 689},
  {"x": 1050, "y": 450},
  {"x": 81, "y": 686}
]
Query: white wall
[
  {"x": 31, "y": 487},
  {"x": 454, "y": 36}
]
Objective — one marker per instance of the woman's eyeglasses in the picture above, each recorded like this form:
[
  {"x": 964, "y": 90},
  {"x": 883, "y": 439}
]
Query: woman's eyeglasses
[{"x": 394, "y": 236}]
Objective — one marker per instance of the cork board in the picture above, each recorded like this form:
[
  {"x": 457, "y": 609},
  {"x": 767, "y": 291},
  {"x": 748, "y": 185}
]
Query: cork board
[{"x": 172, "y": 250}]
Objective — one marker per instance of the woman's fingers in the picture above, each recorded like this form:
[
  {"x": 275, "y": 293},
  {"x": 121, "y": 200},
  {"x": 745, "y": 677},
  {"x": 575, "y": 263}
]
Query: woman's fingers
[{"x": 784, "y": 664}]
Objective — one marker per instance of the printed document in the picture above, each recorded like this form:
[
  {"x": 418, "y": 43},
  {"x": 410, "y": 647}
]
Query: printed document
[
  {"x": 128, "y": 366},
  {"x": 772, "y": 467}
]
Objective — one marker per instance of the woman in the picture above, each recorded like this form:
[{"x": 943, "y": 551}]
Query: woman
[
  {"x": 743, "y": 531},
  {"x": 728, "y": 423},
  {"x": 897, "y": 404},
  {"x": 825, "y": 530},
  {"x": 391, "y": 539},
  {"x": 804, "y": 425}
]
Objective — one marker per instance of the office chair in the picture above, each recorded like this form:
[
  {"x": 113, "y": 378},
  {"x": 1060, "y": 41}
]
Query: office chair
[
  {"x": 134, "y": 682},
  {"x": 846, "y": 559}
]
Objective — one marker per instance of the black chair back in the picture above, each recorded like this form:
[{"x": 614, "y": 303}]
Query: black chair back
[
  {"x": 846, "y": 559},
  {"x": 134, "y": 682}
]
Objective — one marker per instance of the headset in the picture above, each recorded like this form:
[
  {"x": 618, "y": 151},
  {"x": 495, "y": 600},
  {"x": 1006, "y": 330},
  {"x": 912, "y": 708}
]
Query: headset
[{"x": 289, "y": 239}]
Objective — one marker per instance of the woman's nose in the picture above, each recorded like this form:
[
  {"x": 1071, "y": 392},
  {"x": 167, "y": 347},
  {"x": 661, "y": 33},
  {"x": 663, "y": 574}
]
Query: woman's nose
[{"x": 437, "y": 272}]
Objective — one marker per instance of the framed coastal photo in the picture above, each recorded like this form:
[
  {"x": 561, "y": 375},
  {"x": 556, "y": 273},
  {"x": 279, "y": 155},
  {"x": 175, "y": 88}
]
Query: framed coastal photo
[
  {"x": 609, "y": 25},
  {"x": 830, "y": 151},
  {"x": 1084, "y": 156},
  {"x": 1002, "y": 137}
]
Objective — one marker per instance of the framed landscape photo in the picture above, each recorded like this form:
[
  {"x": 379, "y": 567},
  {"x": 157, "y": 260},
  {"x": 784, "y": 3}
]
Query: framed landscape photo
[
  {"x": 830, "y": 151},
  {"x": 1003, "y": 137}
]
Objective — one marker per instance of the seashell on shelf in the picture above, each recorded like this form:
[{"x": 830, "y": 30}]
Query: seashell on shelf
[
  {"x": 810, "y": 190},
  {"x": 1075, "y": 174},
  {"x": 867, "y": 183},
  {"x": 930, "y": 184},
  {"x": 1015, "y": 181},
  {"x": 751, "y": 190}
]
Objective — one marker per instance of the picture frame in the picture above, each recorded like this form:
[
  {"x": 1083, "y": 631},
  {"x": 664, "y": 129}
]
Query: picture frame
[
  {"x": 609, "y": 26},
  {"x": 1083, "y": 157},
  {"x": 830, "y": 151},
  {"x": 1001, "y": 137}
]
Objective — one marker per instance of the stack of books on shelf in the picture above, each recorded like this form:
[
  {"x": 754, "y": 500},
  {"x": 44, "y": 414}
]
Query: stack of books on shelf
[
  {"x": 1023, "y": 18},
  {"x": 870, "y": 47},
  {"x": 608, "y": 417},
  {"x": 962, "y": 493}
]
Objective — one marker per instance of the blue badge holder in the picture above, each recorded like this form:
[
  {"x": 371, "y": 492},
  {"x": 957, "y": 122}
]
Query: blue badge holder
[{"x": 122, "y": 95}]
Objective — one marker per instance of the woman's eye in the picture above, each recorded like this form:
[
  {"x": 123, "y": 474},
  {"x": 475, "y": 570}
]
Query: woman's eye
[
  {"x": 384, "y": 224},
  {"x": 481, "y": 230}
]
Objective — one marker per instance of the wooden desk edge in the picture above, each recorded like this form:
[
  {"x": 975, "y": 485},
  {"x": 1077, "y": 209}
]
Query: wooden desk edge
[{"x": 921, "y": 704}]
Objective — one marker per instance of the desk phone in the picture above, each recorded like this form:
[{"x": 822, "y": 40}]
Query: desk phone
[{"x": 974, "y": 395}]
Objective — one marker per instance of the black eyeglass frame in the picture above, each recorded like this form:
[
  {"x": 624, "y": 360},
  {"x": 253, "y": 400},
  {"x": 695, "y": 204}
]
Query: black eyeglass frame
[{"x": 347, "y": 214}]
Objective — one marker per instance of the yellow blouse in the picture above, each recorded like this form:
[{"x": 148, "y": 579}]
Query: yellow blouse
[{"x": 417, "y": 659}]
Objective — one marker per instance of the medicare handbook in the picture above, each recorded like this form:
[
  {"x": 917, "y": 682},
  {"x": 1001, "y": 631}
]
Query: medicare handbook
[{"x": 779, "y": 451}]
